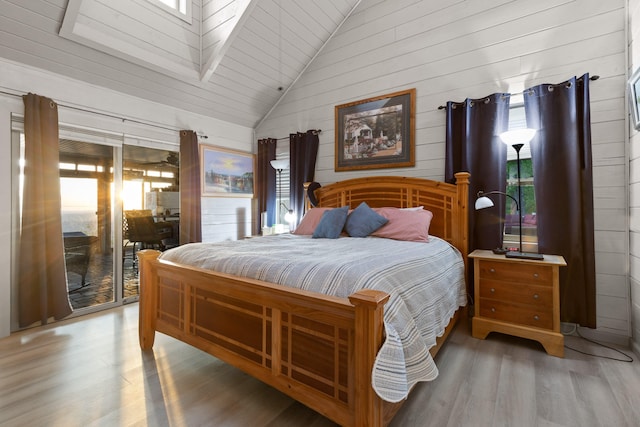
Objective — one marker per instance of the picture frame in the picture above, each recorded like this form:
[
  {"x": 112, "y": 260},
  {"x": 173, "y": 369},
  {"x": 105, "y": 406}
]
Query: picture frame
[
  {"x": 226, "y": 173},
  {"x": 634, "y": 98},
  {"x": 376, "y": 132}
]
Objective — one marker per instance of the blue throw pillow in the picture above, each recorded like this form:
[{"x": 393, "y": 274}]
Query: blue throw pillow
[
  {"x": 363, "y": 221},
  {"x": 331, "y": 223}
]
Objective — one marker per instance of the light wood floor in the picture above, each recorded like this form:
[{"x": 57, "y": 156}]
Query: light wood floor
[{"x": 91, "y": 372}]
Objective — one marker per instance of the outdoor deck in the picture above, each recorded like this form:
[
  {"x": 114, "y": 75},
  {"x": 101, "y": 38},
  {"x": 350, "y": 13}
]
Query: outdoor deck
[{"x": 98, "y": 287}]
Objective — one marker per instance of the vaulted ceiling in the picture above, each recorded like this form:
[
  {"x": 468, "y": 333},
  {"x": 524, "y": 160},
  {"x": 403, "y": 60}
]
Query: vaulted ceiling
[{"x": 232, "y": 60}]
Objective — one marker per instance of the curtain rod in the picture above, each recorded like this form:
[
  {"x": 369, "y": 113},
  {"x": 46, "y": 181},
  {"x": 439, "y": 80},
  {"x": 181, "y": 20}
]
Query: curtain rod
[
  {"x": 106, "y": 115},
  {"x": 315, "y": 131},
  {"x": 592, "y": 78}
]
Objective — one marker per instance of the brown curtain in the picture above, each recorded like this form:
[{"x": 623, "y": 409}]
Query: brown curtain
[
  {"x": 561, "y": 157},
  {"x": 42, "y": 281},
  {"x": 303, "y": 151},
  {"x": 266, "y": 181},
  {"x": 190, "y": 193},
  {"x": 473, "y": 145}
]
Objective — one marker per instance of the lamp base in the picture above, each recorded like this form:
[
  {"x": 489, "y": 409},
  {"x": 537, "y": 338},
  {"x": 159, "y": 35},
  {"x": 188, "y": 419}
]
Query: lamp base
[{"x": 523, "y": 255}]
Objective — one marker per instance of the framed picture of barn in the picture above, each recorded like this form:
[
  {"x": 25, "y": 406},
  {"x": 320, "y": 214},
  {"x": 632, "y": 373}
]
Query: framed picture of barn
[{"x": 376, "y": 132}]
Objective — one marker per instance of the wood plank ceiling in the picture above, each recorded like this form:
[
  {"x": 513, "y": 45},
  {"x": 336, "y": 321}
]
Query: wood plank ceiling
[{"x": 232, "y": 60}]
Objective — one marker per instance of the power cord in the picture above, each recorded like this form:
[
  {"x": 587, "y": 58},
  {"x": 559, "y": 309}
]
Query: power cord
[{"x": 575, "y": 330}]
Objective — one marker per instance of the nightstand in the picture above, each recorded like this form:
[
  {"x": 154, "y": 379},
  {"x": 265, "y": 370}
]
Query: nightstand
[{"x": 518, "y": 297}]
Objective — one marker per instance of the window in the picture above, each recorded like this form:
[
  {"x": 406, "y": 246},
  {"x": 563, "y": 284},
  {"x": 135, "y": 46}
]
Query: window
[
  {"x": 179, "y": 8},
  {"x": 282, "y": 185},
  {"x": 517, "y": 120}
]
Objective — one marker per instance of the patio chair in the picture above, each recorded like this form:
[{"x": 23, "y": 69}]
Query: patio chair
[
  {"x": 144, "y": 232},
  {"x": 78, "y": 248}
]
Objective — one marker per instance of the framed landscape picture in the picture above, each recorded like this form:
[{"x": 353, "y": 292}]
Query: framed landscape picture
[
  {"x": 226, "y": 173},
  {"x": 376, "y": 132},
  {"x": 634, "y": 98}
]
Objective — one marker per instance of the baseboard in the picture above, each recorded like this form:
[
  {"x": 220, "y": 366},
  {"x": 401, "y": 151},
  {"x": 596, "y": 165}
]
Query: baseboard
[{"x": 598, "y": 335}]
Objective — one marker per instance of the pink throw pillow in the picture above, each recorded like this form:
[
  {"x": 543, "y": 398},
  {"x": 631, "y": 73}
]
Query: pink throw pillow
[
  {"x": 408, "y": 225},
  {"x": 310, "y": 221}
]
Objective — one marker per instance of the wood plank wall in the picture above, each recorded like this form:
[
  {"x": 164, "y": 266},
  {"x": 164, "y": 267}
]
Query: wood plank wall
[
  {"x": 634, "y": 182},
  {"x": 459, "y": 49},
  {"x": 447, "y": 51}
]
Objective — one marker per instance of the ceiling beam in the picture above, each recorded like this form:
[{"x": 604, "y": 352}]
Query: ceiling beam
[{"x": 245, "y": 7}]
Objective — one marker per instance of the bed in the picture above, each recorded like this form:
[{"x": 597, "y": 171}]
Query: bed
[{"x": 319, "y": 349}]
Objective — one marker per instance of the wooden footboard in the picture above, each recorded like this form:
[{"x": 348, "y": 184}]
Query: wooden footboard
[{"x": 317, "y": 349}]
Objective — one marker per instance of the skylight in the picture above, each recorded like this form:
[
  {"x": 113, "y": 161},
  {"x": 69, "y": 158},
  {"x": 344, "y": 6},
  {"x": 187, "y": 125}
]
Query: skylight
[{"x": 179, "y": 8}]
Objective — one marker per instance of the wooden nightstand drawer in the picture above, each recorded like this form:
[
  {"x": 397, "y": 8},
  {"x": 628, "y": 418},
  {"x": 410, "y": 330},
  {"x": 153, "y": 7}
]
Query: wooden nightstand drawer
[
  {"x": 516, "y": 313},
  {"x": 523, "y": 273},
  {"x": 540, "y": 297}
]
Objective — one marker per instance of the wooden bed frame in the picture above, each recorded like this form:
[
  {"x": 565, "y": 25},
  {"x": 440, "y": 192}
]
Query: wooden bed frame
[{"x": 315, "y": 348}]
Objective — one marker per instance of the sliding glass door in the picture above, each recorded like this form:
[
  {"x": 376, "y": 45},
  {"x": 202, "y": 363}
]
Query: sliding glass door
[
  {"x": 89, "y": 207},
  {"x": 151, "y": 207},
  {"x": 103, "y": 177},
  {"x": 97, "y": 219},
  {"x": 87, "y": 200}
]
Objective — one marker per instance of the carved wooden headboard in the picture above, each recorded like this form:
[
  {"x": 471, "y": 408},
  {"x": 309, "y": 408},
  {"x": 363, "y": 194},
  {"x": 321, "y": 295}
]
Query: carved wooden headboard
[{"x": 448, "y": 202}]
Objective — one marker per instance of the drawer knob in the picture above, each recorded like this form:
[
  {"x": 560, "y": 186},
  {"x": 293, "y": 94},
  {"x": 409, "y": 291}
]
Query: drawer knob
[
  {"x": 536, "y": 317},
  {"x": 492, "y": 290},
  {"x": 492, "y": 270},
  {"x": 535, "y": 275},
  {"x": 493, "y": 309},
  {"x": 536, "y": 296}
]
